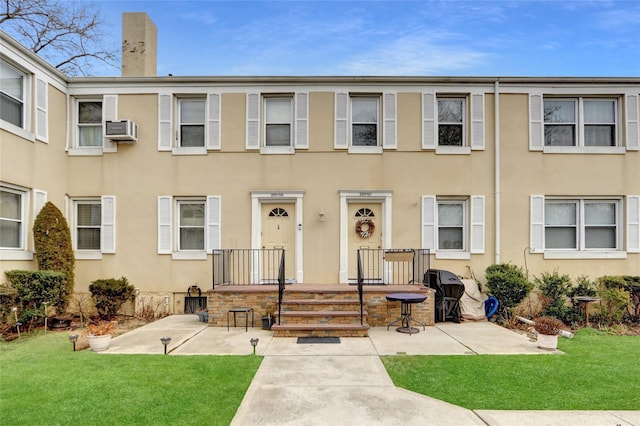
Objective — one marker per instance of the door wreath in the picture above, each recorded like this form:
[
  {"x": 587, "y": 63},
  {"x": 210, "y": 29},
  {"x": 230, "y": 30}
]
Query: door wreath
[{"x": 365, "y": 228}]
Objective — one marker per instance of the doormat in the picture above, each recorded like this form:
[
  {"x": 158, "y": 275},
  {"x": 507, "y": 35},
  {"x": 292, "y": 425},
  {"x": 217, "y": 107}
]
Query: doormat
[{"x": 313, "y": 339}]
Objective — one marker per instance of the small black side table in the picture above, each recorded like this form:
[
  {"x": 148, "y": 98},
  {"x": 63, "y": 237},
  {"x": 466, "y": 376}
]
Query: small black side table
[
  {"x": 406, "y": 300},
  {"x": 244, "y": 311}
]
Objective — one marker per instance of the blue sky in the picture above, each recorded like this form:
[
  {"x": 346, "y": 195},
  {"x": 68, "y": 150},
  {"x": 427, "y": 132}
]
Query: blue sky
[{"x": 424, "y": 38}]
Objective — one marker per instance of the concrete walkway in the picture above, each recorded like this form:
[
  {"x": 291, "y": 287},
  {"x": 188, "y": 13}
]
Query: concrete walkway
[{"x": 346, "y": 383}]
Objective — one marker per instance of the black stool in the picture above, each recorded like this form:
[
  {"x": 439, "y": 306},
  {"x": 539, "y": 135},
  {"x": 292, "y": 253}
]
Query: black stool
[{"x": 244, "y": 311}]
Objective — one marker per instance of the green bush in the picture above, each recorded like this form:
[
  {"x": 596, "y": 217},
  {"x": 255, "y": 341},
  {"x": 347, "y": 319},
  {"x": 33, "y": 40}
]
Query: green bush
[
  {"x": 633, "y": 287},
  {"x": 7, "y": 302},
  {"x": 33, "y": 289},
  {"x": 614, "y": 299},
  {"x": 508, "y": 283},
  {"x": 109, "y": 295},
  {"x": 554, "y": 294},
  {"x": 52, "y": 241}
]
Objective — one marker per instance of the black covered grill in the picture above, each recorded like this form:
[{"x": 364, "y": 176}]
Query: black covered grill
[{"x": 449, "y": 289}]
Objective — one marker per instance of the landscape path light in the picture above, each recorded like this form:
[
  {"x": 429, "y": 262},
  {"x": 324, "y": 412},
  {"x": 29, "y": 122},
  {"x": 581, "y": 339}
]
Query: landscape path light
[
  {"x": 73, "y": 338},
  {"x": 165, "y": 341},
  {"x": 254, "y": 343}
]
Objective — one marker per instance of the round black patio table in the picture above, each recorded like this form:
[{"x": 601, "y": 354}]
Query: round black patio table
[{"x": 406, "y": 300}]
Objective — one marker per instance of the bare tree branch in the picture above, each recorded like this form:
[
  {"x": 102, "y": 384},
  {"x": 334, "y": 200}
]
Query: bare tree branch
[{"x": 66, "y": 34}]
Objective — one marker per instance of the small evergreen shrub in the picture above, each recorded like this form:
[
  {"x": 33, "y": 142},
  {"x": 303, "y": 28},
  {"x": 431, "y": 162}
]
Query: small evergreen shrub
[
  {"x": 110, "y": 294},
  {"x": 554, "y": 294},
  {"x": 52, "y": 241},
  {"x": 508, "y": 283},
  {"x": 33, "y": 289},
  {"x": 633, "y": 287},
  {"x": 614, "y": 299}
]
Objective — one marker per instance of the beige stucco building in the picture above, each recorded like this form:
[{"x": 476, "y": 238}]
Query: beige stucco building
[{"x": 479, "y": 170}]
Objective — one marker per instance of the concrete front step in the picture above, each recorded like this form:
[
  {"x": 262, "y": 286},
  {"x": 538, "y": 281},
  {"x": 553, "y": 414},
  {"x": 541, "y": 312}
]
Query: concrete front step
[
  {"x": 320, "y": 304},
  {"x": 320, "y": 330},
  {"x": 321, "y": 317}
]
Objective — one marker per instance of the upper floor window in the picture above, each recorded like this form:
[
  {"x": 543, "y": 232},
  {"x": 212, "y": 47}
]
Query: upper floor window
[
  {"x": 90, "y": 132},
  {"x": 191, "y": 122},
  {"x": 365, "y": 120},
  {"x": 277, "y": 121},
  {"x": 12, "y": 95},
  {"x": 580, "y": 122},
  {"x": 12, "y": 218},
  {"x": 451, "y": 121}
]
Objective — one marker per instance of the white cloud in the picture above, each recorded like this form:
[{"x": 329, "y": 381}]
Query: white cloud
[{"x": 419, "y": 54}]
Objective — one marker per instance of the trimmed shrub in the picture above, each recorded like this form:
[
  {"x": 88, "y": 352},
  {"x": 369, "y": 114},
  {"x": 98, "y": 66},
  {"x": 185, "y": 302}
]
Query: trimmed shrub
[
  {"x": 110, "y": 294},
  {"x": 633, "y": 287},
  {"x": 614, "y": 298},
  {"x": 33, "y": 288},
  {"x": 508, "y": 283},
  {"x": 52, "y": 240},
  {"x": 554, "y": 294}
]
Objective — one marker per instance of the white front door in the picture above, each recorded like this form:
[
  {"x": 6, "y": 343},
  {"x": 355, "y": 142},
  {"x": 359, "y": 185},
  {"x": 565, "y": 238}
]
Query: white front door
[
  {"x": 278, "y": 232},
  {"x": 364, "y": 229}
]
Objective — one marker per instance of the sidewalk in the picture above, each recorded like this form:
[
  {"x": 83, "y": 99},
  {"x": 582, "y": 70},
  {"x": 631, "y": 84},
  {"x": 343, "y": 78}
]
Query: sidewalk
[{"x": 346, "y": 383}]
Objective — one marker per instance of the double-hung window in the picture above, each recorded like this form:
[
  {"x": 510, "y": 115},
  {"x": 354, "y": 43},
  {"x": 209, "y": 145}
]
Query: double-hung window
[
  {"x": 90, "y": 133},
  {"x": 12, "y": 95},
  {"x": 582, "y": 224},
  {"x": 278, "y": 117},
  {"x": 88, "y": 220},
  {"x": 191, "y": 225},
  {"x": 12, "y": 218},
  {"x": 191, "y": 122},
  {"x": 580, "y": 122},
  {"x": 451, "y": 121},
  {"x": 452, "y": 225},
  {"x": 365, "y": 112}
]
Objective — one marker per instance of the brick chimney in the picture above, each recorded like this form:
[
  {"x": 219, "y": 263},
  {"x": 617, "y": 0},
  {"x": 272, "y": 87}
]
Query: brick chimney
[{"x": 139, "y": 45}]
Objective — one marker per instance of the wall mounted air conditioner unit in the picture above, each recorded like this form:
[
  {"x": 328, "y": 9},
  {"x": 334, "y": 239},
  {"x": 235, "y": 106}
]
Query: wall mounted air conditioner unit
[{"x": 121, "y": 131}]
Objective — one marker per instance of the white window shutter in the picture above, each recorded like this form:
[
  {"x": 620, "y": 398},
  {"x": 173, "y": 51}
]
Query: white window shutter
[
  {"x": 213, "y": 222},
  {"x": 108, "y": 225},
  {"x": 341, "y": 140},
  {"x": 164, "y": 225},
  {"x": 429, "y": 128},
  {"x": 389, "y": 138},
  {"x": 213, "y": 121},
  {"x": 536, "y": 123},
  {"x": 633, "y": 223},
  {"x": 477, "y": 121},
  {"x": 109, "y": 113},
  {"x": 253, "y": 121},
  {"x": 633, "y": 130},
  {"x": 302, "y": 120},
  {"x": 39, "y": 200},
  {"x": 42, "y": 123},
  {"x": 477, "y": 224},
  {"x": 536, "y": 237},
  {"x": 165, "y": 106},
  {"x": 429, "y": 222}
]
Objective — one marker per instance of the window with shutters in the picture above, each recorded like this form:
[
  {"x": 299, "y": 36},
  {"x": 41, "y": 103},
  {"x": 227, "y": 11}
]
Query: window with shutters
[
  {"x": 453, "y": 227},
  {"x": 453, "y": 123},
  {"x": 93, "y": 226},
  {"x": 277, "y": 123},
  {"x": 13, "y": 85},
  {"x": 577, "y": 122},
  {"x": 188, "y": 227}
]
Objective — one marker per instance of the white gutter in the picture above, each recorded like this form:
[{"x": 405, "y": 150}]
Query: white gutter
[{"x": 496, "y": 143}]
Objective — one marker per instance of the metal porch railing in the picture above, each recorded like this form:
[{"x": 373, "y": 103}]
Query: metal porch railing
[
  {"x": 247, "y": 266},
  {"x": 390, "y": 267}
]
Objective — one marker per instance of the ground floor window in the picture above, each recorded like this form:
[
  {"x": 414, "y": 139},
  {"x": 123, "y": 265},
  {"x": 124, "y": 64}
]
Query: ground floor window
[
  {"x": 88, "y": 220},
  {"x": 582, "y": 224},
  {"x": 12, "y": 218},
  {"x": 191, "y": 224}
]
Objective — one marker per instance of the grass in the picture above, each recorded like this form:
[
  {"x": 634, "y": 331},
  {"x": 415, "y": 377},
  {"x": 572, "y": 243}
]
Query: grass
[
  {"x": 596, "y": 372},
  {"x": 43, "y": 382}
]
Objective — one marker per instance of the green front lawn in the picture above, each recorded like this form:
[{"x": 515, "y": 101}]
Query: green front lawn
[
  {"x": 596, "y": 372},
  {"x": 43, "y": 382}
]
